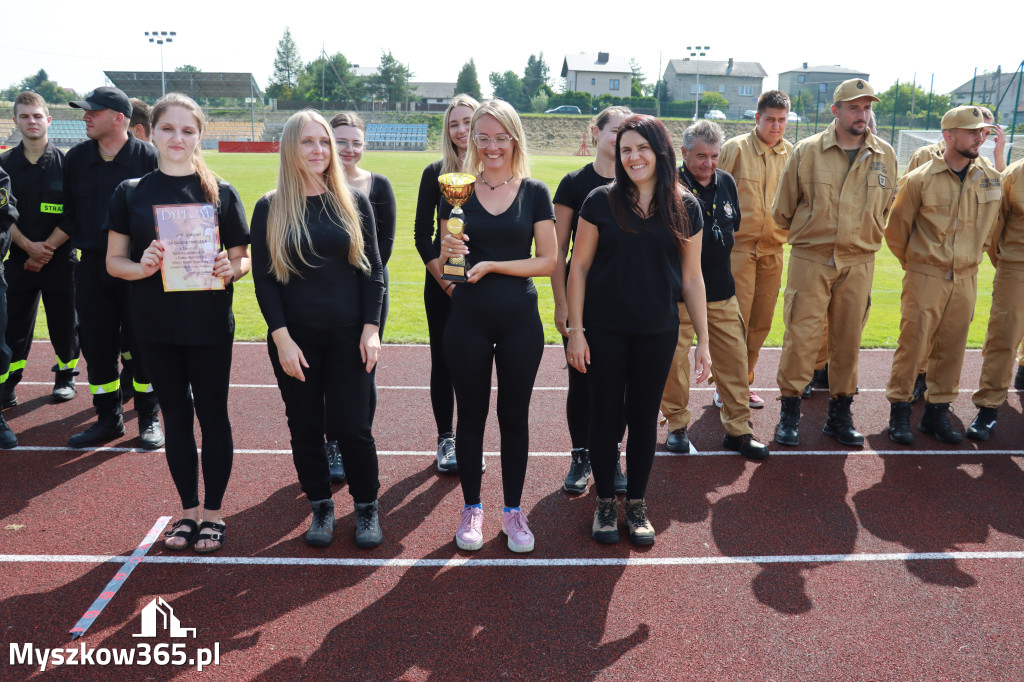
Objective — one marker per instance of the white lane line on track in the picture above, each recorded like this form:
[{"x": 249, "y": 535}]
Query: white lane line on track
[
  {"x": 660, "y": 453},
  {"x": 465, "y": 562}
]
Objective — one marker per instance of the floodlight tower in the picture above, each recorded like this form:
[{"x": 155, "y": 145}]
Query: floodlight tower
[
  {"x": 698, "y": 52},
  {"x": 161, "y": 37}
]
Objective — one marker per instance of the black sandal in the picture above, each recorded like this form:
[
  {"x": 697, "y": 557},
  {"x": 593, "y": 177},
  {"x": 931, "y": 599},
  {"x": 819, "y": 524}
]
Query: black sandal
[
  {"x": 183, "y": 528},
  {"x": 218, "y": 536}
]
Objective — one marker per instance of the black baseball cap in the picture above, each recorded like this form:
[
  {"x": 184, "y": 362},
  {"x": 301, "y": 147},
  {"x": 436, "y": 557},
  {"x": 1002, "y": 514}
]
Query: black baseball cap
[{"x": 105, "y": 98}]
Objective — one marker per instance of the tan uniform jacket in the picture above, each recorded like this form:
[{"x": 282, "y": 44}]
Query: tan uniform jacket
[
  {"x": 941, "y": 227},
  {"x": 832, "y": 221},
  {"x": 757, "y": 169},
  {"x": 1007, "y": 250}
]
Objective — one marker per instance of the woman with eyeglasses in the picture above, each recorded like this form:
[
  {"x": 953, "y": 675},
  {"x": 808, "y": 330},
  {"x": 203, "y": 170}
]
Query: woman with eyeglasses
[
  {"x": 494, "y": 322},
  {"x": 572, "y": 191},
  {"x": 350, "y": 139},
  {"x": 319, "y": 286},
  {"x": 437, "y": 292},
  {"x": 637, "y": 254},
  {"x": 715, "y": 190}
]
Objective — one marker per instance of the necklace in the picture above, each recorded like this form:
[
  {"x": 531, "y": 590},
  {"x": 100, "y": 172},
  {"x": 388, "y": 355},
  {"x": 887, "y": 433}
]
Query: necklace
[{"x": 502, "y": 184}]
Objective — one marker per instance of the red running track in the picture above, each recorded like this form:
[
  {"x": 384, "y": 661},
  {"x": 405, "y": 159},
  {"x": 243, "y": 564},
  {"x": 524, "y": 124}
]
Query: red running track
[{"x": 823, "y": 562}]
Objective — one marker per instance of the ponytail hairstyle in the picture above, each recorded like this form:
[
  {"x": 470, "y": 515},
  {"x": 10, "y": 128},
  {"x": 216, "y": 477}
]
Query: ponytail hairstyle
[
  {"x": 207, "y": 179},
  {"x": 450, "y": 161},
  {"x": 667, "y": 202},
  {"x": 350, "y": 119},
  {"x": 602, "y": 117},
  {"x": 288, "y": 237}
]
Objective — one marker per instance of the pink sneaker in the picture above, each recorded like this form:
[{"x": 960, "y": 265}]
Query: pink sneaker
[
  {"x": 470, "y": 535},
  {"x": 756, "y": 401},
  {"x": 513, "y": 524}
]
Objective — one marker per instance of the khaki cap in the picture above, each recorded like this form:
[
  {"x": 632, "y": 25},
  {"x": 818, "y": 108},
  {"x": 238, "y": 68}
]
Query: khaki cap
[
  {"x": 968, "y": 117},
  {"x": 853, "y": 89}
]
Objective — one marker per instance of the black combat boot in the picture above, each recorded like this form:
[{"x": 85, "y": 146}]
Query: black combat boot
[
  {"x": 936, "y": 422},
  {"x": 899, "y": 424},
  {"x": 839, "y": 424},
  {"x": 788, "y": 430}
]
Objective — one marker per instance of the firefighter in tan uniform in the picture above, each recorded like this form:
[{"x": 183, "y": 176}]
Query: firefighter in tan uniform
[
  {"x": 756, "y": 160},
  {"x": 1006, "y": 319},
  {"x": 833, "y": 198},
  {"x": 939, "y": 227}
]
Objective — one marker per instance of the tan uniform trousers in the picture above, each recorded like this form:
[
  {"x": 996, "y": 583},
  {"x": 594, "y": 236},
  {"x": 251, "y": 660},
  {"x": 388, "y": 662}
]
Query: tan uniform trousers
[
  {"x": 758, "y": 278},
  {"x": 815, "y": 293},
  {"x": 1005, "y": 330},
  {"x": 936, "y": 314},
  {"x": 727, "y": 343}
]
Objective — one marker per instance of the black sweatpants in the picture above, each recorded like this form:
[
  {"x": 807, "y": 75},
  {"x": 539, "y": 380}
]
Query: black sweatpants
[
  {"x": 635, "y": 364},
  {"x": 55, "y": 284},
  {"x": 337, "y": 389},
  {"x": 101, "y": 302},
  {"x": 207, "y": 369},
  {"x": 495, "y": 327},
  {"x": 438, "y": 306}
]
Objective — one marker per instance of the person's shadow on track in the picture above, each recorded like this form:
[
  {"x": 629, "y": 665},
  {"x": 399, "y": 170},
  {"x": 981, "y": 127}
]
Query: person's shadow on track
[
  {"x": 934, "y": 504},
  {"x": 794, "y": 506}
]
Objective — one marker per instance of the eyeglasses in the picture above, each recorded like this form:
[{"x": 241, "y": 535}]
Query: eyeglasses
[
  {"x": 500, "y": 141},
  {"x": 354, "y": 144}
]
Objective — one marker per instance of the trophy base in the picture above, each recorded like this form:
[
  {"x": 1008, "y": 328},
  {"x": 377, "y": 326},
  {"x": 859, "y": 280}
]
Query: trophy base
[{"x": 454, "y": 273}]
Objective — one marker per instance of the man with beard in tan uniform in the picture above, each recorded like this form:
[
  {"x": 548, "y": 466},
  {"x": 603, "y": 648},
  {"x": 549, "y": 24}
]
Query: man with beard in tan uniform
[
  {"x": 833, "y": 197},
  {"x": 756, "y": 160},
  {"x": 940, "y": 225}
]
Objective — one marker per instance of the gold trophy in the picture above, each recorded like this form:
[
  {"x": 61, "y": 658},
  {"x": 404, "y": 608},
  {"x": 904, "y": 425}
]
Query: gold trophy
[{"x": 456, "y": 189}]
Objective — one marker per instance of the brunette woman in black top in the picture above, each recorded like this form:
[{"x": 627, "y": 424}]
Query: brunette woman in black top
[
  {"x": 637, "y": 253},
  {"x": 186, "y": 336},
  {"x": 572, "y": 191},
  {"x": 437, "y": 292},
  {"x": 319, "y": 285},
  {"x": 494, "y": 322}
]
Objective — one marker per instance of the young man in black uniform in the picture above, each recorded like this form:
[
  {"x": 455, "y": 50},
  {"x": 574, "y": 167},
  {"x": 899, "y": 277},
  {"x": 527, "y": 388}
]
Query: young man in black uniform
[
  {"x": 42, "y": 261},
  {"x": 8, "y": 215},
  {"x": 92, "y": 170}
]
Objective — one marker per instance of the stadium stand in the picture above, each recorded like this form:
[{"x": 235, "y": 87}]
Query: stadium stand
[
  {"x": 408, "y": 136},
  {"x": 67, "y": 133}
]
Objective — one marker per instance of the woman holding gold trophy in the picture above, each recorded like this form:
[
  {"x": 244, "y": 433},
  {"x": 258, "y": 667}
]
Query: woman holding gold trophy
[
  {"x": 319, "y": 285},
  {"x": 637, "y": 254},
  {"x": 437, "y": 292},
  {"x": 494, "y": 321}
]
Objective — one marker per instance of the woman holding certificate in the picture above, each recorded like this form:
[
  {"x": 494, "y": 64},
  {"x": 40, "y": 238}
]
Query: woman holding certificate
[
  {"x": 494, "y": 322},
  {"x": 637, "y": 253},
  {"x": 180, "y": 237},
  {"x": 319, "y": 285}
]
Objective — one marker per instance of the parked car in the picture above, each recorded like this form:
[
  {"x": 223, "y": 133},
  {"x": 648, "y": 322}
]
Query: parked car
[
  {"x": 564, "y": 109},
  {"x": 715, "y": 114},
  {"x": 750, "y": 114},
  {"x": 793, "y": 118}
]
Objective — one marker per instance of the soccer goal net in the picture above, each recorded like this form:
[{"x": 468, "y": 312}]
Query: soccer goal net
[{"x": 911, "y": 140}]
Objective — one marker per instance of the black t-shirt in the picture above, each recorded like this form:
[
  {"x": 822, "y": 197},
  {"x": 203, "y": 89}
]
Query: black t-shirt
[
  {"x": 39, "y": 189},
  {"x": 178, "y": 317},
  {"x": 507, "y": 236},
  {"x": 382, "y": 200},
  {"x": 573, "y": 190},
  {"x": 330, "y": 292},
  {"x": 636, "y": 279},
  {"x": 89, "y": 181},
  {"x": 720, "y": 205},
  {"x": 427, "y": 233}
]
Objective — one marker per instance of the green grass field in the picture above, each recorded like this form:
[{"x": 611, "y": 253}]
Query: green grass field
[{"x": 255, "y": 174}]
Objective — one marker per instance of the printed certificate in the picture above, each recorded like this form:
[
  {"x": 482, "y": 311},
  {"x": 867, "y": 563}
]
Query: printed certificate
[{"x": 191, "y": 240}]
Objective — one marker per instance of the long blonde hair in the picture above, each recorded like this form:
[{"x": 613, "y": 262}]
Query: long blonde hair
[
  {"x": 206, "y": 177},
  {"x": 287, "y": 233},
  {"x": 503, "y": 112},
  {"x": 450, "y": 161}
]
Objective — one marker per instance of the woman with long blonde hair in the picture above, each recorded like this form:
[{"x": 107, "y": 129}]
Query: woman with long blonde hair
[
  {"x": 319, "y": 285},
  {"x": 437, "y": 292},
  {"x": 186, "y": 336}
]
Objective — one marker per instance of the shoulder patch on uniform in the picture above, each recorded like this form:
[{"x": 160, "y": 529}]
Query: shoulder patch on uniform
[
  {"x": 727, "y": 207},
  {"x": 3, "y": 197},
  {"x": 988, "y": 183},
  {"x": 881, "y": 180}
]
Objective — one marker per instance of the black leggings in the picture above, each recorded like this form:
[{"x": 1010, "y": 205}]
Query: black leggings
[
  {"x": 438, "y": 306},
  {"x": 207, "y": 369},
  {"x": 337, "y": 389},
  {"x": 577, "y": 407},
  {"x": 497, "y": 327},
  {"x": 634, "y": 364}
]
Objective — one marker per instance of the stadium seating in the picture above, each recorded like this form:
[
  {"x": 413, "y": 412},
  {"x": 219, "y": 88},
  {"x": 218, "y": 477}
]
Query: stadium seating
[
  {"x": 67, "y": 133},
  {"x": 233, "y": 131},
  {"x": 408, "y": 136}
]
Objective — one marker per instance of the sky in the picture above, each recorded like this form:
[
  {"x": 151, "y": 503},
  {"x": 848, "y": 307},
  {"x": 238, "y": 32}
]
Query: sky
[{"x": 230, "y": 35}]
